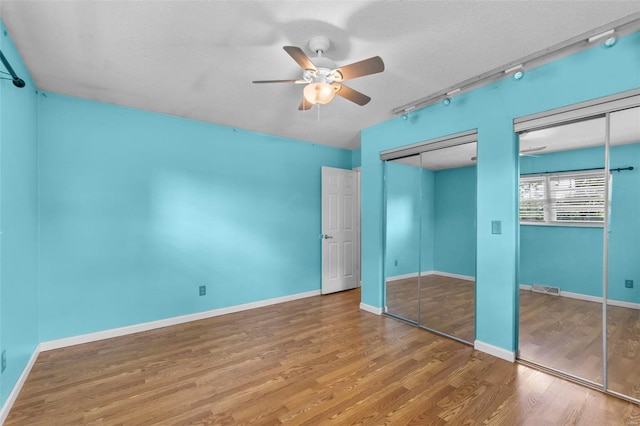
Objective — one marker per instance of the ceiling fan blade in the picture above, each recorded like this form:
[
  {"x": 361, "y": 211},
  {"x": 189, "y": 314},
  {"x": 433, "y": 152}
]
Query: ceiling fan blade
[
  {"x": 350, "y": 94},
  {"x": 305, "y": 105},
  {"x": 280, "y": 81},
  {"x": 300, "y": 57},
  {"x": 358, "y": 69}
]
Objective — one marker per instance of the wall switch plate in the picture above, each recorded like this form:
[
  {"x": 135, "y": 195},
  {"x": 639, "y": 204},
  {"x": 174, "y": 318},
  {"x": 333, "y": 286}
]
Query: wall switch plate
[
  {"x": 628, "y": 283},
  {"x": 4, "y": 361},
  {"x": 396, "y": 263},
  {"x": 203, "y": 290},
  {"x": 496, "y": 227}
]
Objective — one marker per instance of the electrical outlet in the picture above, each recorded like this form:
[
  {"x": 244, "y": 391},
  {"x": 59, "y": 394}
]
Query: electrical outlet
[
  {"x": 203, "y": 290},
  {"x": 4, "y": 361},
  {"x": 628, "y": 283}
]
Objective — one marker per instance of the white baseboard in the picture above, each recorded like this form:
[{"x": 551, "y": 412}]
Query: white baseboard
[
  {"x": 136, "y": 328},
  {"x": 588, "y": 298},
  {"x": 425, "y": 273},
  {"x": 450, "y": 275},
  {"x": 495, "y": 351},
  {"x": 8, "y": 404},
  {"x": 402, "y": 277},
  {"x": 372, "y": 309}
]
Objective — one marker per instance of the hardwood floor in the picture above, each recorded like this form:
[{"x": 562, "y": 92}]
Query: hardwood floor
[
  {"x": 446, "y": 304},
  {"x": 312, "y": 361},
  {"x": 566, "y": 334}
]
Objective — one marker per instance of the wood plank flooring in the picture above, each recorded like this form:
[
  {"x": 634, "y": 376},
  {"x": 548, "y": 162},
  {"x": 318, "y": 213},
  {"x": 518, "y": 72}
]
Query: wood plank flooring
[{"x": 312, "y": 361}]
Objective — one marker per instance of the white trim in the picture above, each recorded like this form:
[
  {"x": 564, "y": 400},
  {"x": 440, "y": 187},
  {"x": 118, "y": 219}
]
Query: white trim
[
  {"x": 597, "y": 299},
  {"x": 403, "y": 277},
  {"x": 495, "y": 351},
  {"x": 371, "y": 309},
  {"x": 136, "y": 328},
  {"x": 623, "y": 304},
  {"x": 425, "y": 273},
  {"x": 450, "y": 275},
  {"x": 11, "y": 399}
]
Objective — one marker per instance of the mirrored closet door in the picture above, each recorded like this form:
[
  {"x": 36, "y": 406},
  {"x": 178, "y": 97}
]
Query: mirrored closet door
[
  {"x": 402, "y": 242},
  {"x": 430, "y": 231},
  {"x": 448, "y": 262},
  {"x": 623, "y": 255},
  {"x": 562, "y": 213},
  {"x": 580, "y": 246}
]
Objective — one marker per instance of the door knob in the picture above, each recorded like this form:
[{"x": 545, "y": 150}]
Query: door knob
[{"x": 326, "y": 237}]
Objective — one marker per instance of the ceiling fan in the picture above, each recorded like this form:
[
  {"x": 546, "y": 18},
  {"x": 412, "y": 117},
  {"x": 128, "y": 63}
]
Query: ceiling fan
[{"x": 323, "y": 80}]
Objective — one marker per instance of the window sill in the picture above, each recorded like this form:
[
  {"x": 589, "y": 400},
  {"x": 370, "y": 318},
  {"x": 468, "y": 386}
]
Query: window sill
[{"x": 564, "y": 224}]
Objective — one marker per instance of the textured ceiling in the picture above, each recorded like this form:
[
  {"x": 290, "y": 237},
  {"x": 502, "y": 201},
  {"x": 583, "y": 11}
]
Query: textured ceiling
[{"x": 198, "y": 59}]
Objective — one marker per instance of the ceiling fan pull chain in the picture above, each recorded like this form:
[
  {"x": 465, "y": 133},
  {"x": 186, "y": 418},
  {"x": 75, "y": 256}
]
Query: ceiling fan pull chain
[{"x": 318, "y": 105}]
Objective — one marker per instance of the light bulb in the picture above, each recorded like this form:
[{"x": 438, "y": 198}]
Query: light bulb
[
  {"x": 319, "y": 93},
  {"x": 518, "y": 75}
]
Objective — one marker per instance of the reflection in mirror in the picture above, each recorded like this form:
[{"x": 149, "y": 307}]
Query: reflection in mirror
[
  {"x": 448, "y": 238},
  {"x": 623, "y": 293},
  {"x": 402, "y": 243},
  {"x": 562, "y": 205}
]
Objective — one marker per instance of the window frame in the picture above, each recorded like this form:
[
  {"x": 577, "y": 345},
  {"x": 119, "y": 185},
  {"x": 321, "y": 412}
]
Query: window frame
[{"x": 549, "y": 218}]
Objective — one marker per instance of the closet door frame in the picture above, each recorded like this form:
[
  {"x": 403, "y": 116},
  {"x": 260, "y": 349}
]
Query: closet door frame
[{"x": 456, "y": 139}]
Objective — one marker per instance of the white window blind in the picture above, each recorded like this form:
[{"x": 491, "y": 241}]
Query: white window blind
[{"x": 563, "y": 198}]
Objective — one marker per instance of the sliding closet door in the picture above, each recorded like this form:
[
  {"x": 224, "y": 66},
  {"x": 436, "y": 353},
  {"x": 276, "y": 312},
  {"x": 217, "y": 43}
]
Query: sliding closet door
[
  {"x": 563, "y": 190},
  {"x": 402, "y": 243},
  {"x": 448, "y": 238},
  {"x": 623, "y": 287}
]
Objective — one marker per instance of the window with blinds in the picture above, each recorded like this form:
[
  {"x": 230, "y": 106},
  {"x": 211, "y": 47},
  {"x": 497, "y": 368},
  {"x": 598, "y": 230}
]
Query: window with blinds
[{"x": 563, "y": 198}]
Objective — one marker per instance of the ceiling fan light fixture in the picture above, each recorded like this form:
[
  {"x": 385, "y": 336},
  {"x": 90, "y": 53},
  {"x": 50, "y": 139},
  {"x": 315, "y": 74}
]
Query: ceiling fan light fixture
[{"x": 319, "y": 93}]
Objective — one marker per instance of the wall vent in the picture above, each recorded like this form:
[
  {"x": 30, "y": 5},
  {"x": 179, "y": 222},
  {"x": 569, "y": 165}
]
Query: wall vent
[{"x": 537, "y": 288}]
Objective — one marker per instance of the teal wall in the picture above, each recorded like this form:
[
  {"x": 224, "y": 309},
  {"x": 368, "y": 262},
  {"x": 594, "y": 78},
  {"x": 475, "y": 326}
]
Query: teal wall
[
  {"x": 138, "y": 209},
  {"x": 403, "y": 210},
  {"x": 624, "y": 224},
  {"x": 454, "y": 222},
  {"x": 437, "y": 206},
  {"x": 355, "y": 158},
  {"x": 571, "y": 257},
  {"x": 18, "y": 219},
  {"x": 410, "y": 214},
  {"x": 589, "y": 74}
]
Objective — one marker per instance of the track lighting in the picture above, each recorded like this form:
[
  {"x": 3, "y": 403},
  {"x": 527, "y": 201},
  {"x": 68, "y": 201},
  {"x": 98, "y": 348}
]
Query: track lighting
[
  {"x": 597, "y": 37},
  {"x": 446, "y": 101},
  {"x": 517, "y": 72}
]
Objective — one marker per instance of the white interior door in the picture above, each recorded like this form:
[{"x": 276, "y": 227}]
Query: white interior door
[{"x": 339, "y": 230}]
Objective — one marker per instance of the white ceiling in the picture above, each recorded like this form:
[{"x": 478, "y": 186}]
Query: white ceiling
[{"x": 197, "y": 59}]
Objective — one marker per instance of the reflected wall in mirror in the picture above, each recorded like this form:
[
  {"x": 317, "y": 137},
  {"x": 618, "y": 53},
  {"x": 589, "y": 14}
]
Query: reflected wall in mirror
[{"x": 431, "y": 239}]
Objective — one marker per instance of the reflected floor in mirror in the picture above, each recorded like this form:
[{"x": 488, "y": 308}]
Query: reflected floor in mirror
[
  {"x": 446, "y": 303},
  {"x": 565, "y": 334}
]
